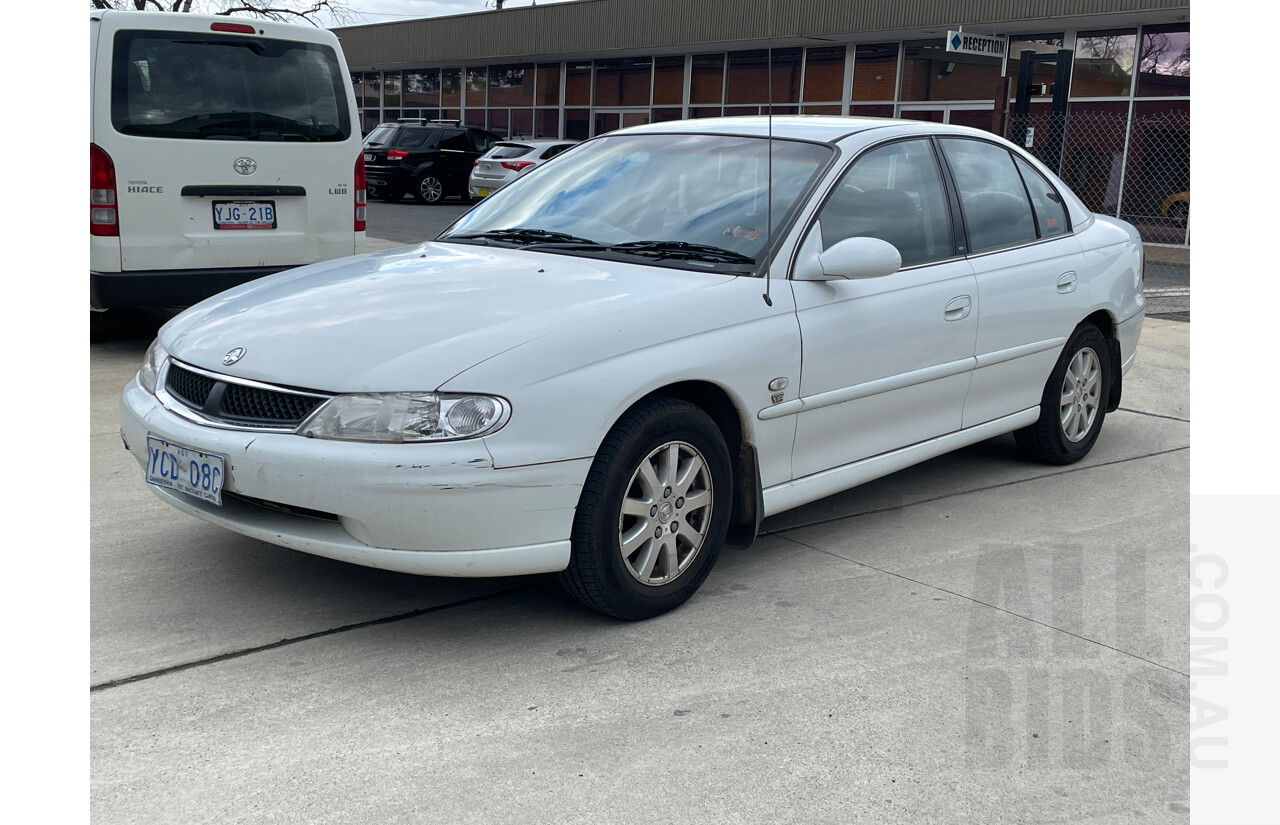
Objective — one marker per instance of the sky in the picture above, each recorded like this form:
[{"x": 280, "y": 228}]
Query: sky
[{"x": 389, "y": 11}]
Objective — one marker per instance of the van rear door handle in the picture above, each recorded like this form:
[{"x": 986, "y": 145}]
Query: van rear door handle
[
  {"x": 958, "y": 308},
  {"x": 1067, "y": 282}
]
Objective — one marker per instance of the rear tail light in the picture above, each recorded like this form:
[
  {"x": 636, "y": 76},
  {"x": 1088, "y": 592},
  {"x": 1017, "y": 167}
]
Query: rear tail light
[
  {"x": 396, "y": 154},
  {"x": 362, "y": 198},
  {"x": 103, "y": 218},
  {"x": 516, "y": 165}
]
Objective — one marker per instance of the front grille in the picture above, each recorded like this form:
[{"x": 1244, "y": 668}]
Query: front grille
[
  {"x": 189, "y": 386},
  {"x": 266, "y": 405},
  {"x": 236, "y": 404}
]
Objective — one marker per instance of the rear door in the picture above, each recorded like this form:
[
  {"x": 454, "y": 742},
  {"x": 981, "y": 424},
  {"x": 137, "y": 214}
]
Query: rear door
[
  {"x": 1028, "y": 267},
  {"x": 230, "y": 149}
]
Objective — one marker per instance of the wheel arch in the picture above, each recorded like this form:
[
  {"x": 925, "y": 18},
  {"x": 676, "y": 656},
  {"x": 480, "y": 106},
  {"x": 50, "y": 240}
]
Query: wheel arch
[
  {"x": 748, "y": 495},
  {"x": 1106, "y": 324}
]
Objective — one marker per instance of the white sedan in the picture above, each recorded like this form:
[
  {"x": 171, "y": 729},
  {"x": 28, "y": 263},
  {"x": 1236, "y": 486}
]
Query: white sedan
[{"x": 629, "y": 357}]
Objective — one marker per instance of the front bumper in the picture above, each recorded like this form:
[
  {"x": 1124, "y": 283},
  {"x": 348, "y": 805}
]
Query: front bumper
[{"x": 429, "y": 509}]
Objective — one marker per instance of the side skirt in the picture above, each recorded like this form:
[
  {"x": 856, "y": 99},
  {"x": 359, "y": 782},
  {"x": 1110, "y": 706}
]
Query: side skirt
[{"x": 783, "y": 497}]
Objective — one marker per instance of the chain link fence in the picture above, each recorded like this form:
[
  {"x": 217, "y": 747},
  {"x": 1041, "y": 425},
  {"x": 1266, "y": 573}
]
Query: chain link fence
[{"x": 1138, "y": 169}]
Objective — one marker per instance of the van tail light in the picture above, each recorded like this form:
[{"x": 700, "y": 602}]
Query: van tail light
[
  {"x": 103, "y": 217},
  {"x": 362, "y": 197},
  {"x": 516, "y": 165},
  {"x": 396, "y": 154}
]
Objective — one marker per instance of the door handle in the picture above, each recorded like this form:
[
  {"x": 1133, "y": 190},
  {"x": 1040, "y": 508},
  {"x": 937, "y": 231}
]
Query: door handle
[
  {"x": 958, "y": 308},
  {"x": 1067, "y": 282}
]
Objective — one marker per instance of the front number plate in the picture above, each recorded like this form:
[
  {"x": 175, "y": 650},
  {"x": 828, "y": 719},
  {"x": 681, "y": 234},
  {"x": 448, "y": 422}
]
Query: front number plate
[
  {"x": 185, "y": 470},
  {"x": 244, "y": 215}
]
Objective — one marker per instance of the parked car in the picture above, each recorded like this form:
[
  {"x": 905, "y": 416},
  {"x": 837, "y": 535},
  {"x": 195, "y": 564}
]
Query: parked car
[
  {"x": 598, "y": 371},
  {"x": 220, "y": 151},
  {"x": 1177, "y": 206},
  {"x": 430, "y": 161},
  {"x": 509, "y": 159}
]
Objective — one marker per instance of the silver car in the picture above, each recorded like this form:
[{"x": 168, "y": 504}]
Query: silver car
[{"x": 509, "y": 159}]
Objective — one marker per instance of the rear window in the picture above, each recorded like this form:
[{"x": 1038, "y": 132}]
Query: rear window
[
  {"x": 509, "y": 150},
  {"x": 207, "y": 86},
  {"x": 380, "y": 135}
]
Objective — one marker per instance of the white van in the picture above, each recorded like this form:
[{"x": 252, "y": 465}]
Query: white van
[{"x": 221, "y": 149}]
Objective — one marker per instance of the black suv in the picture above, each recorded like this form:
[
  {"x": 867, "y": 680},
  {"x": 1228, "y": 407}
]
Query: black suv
[{"x": 431, "y": 160}]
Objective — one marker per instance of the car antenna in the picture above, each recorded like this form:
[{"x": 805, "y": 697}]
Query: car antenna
[{"x": 768, "y": 226}]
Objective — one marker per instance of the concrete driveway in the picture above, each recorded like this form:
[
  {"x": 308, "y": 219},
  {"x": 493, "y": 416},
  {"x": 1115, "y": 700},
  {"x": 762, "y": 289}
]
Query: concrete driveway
[{"x": 977, "y": 639}]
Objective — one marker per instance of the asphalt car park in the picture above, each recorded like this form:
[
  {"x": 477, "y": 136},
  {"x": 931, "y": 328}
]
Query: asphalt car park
[{"x": 972, "y": 639}]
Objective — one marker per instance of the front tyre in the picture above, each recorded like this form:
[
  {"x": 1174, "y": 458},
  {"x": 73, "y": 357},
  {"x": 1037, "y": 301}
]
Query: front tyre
[
  {"x": 653, "y": 513},
  {"x": 1074, "y": 402}
]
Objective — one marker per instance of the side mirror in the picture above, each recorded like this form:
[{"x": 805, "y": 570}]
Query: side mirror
[{"x": 858, "y": 258}]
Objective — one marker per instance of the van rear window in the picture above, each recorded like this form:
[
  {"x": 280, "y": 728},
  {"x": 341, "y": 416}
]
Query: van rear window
[{"x": 206, "y": 86}]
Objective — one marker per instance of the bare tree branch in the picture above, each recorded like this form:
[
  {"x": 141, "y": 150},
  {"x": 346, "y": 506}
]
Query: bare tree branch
[{"x": 311, "y": 11}]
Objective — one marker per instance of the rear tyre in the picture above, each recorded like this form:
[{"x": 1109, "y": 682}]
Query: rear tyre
[
  {"x": 1074, "y": 401},
  {"x": 428, "y": 189},
  {"x": 653, "y": 513}
]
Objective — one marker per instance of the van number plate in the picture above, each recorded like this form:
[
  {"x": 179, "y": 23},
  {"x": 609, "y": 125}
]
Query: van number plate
[{"x": 244, "y": 215}]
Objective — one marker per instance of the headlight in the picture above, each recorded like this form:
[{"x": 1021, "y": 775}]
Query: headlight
[
  {"x": 406, "y": 417},
  {"x": 151, "y": 363}
]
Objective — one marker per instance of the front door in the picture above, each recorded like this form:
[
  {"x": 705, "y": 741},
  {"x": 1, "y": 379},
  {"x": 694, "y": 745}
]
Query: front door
[{"x": 886, "y": 361}]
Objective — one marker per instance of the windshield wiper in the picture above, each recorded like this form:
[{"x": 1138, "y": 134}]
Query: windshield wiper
[
  {"x": 523, "y": 236},
  {"x": 682, "y": 250}
]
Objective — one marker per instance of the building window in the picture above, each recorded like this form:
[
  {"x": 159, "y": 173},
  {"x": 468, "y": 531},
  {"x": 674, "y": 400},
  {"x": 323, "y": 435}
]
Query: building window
[
  {"x": 707, "y": 83},
  {"x": 548, "y": 85},
  {"x": 511, "y": 85},
  {"x": 753, "y": 80},
  {"x": 875, "y": 72},
  {"x": 824, "y": 74},
  {"x": 623, "y": 82},
  {"x": 391, "y": 89},
  {"x": 577, "y": 84},
  {"x": 477, "y": 85},
  {"x": 1164, "y": 61},
  {"x": 1103, "y": 63},
  {"x": 451, "y": 88},
  {"x": 930, "y": 72},
  {"x": 548, "y": 123},
  {"x": 422, "y": 88},
  {"x": 668, "y": 80},
  {"x": 372, "y": 90}
]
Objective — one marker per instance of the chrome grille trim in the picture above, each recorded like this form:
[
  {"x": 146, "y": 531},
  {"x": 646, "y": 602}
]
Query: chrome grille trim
[{"x": 181, "y": 407}]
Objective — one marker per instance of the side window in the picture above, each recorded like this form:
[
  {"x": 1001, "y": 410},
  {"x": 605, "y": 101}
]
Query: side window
[
  {"x": 484, "y": 140},
  {"x": 412, "y": 138},
  {"x": 1051, "y": 216},
  {"x": 893, "y": 193},
  {"x": 996, "y": 210},
  {"x": 455, "y": 140},
  {"x": 555, "y": 150}
]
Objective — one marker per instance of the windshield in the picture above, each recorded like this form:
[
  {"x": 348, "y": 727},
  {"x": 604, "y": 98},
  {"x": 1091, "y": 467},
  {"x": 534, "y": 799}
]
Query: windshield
[
  {"x": 202, "y": 86},
  {"x": 694, "y": 199}
]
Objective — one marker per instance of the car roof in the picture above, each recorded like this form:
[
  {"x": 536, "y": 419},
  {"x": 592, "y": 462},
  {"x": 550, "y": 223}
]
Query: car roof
[
  {"x": 822, "y": 128},
  {"x": 535, "y": 142}
]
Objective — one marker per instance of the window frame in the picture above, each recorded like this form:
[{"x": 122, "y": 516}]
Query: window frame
[{"x": 956, "y": 251}]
